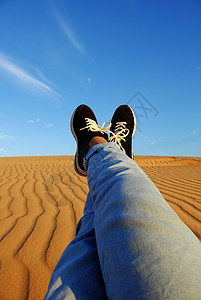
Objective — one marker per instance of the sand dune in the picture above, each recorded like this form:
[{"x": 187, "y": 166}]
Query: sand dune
[{"x": 41, "y": 202}]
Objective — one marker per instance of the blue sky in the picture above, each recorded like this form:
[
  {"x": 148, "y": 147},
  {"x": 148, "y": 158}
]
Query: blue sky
[{"x": 55, "y": 55}]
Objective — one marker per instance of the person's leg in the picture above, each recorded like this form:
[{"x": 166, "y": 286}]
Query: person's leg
[
  {"x": 145, "y": 250},
  {"x": 78, "y": 274}
]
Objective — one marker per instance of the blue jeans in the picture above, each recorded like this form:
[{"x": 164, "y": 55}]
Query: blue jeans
[{"x": 130, "y": 244}]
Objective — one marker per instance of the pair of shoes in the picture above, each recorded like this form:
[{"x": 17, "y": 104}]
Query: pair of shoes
[{"x": 84, "y": 127}]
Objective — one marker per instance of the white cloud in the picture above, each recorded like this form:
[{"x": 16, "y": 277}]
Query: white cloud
[
  {"x": 5, "y": 136},
  {"x": 68, "y": 31},
  {"x": 24, "y": 77},
  {"x": 89, "y": 79},
  {"x": 3, "y": 116},
  {"x": 2, "y": 149},
  {"x": 42, "y": 76},
  {"x": 192, "y": 133},
  {"x": 49, "y": 125},
  {"x": 37, "y": 120}
]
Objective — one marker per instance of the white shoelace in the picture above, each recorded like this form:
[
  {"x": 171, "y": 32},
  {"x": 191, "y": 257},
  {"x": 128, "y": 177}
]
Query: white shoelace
[
  {"x": 93, "y": 126},
  {"x": 120, "y": 133}
]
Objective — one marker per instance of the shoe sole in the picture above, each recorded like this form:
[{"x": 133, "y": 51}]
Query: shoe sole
[
  {"x": 134, "y": 120},
  {"x": 78, "y": 170},
  {"x": 134, "y": 129}
]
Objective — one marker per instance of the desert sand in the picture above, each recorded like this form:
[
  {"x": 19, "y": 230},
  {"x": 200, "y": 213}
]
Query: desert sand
[{"x": 42, "y": 200}]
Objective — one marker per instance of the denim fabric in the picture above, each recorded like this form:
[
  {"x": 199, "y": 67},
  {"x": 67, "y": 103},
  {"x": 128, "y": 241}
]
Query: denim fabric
[
  {"x": 78, "y": 274},
  {"x": 144, "y": 250}
]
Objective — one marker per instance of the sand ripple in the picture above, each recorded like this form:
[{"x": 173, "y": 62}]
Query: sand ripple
[{"x": 41, "y": 202}]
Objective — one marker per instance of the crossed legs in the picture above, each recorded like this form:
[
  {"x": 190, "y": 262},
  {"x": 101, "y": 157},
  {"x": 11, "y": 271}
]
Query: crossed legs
[{"x": 130, "y": 244}]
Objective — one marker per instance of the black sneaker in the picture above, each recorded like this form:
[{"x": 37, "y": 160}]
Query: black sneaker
[
  {"x": 84, "y": 127},
  {"x": 123, "y": 128}
]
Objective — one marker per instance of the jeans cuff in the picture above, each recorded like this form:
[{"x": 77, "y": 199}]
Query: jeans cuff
[{"x": 96, "y": 149}]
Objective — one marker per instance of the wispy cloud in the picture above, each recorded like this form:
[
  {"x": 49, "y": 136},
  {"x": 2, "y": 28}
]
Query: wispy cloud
[
  {"x": 49, "y": 125},
  {"x": 5, "y": 136},
  {"x": 42, "y": 76},
  {"x": 37, "y": 120},
  {"x": 192, "y": 133},
  {"x": 68, "y": 31},
  {"x": 24, "y": 77},
  {"x": 2, "y": 149},
  {"x": 3, "y": 116}
]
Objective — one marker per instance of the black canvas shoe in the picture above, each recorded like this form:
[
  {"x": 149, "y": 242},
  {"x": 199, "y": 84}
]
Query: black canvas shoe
[
  {"x": 123, "y": 128},
  {"x": 84, "y": 127}
]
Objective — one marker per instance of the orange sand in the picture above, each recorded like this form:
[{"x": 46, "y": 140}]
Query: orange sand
[{"x": 41, "y": 202}]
